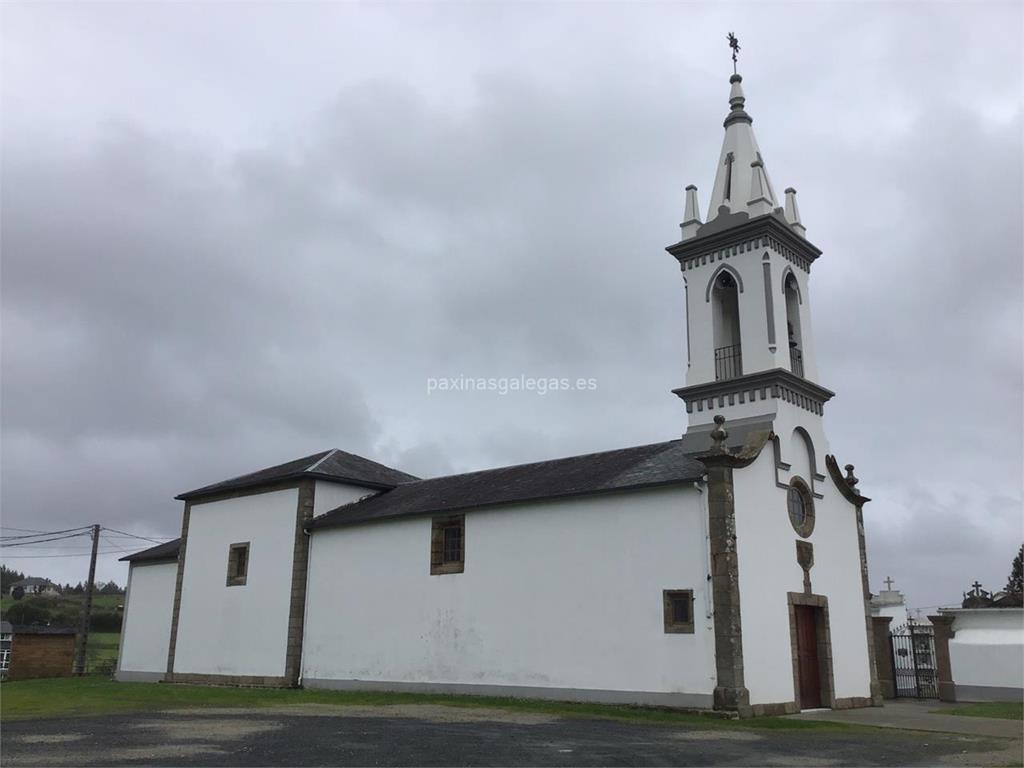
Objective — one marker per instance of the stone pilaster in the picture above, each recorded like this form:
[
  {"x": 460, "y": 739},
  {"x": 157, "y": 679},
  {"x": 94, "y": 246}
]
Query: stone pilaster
[
  {"x": 881, "y": 656},
  {"x": 943, "y": 625},
  {"x": 730, "y": 692},
  {"x": 300, "y": 568},
  {"x": 176, "y": 608},
  {"x": 876, "y": 689}
]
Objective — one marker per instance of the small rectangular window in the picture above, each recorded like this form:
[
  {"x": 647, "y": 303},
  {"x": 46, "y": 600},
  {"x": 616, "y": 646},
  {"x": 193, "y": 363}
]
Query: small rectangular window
[
  {"x": 238, "y": 564},
  {"x": 678, "y": 609},
  {"x": 448, "y": 544}
]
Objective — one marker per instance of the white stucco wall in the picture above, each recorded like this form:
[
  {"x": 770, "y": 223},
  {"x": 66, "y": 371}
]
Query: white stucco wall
[
  {"x": 328, "y": 495},
  {"x": 146, "y": 628},
  {"x": 557, "y": 595},
  {"x": 238, "y": 630},
  {"x": 986, "y": 654},
  {"x": 768, "y": 570},
  {"x": 758, "y": 353}
]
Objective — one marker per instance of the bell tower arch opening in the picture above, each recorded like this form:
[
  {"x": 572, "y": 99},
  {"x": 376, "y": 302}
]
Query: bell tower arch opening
[
  {"x": 792, "y": 293},
  {"x": 725, "y": 320}
]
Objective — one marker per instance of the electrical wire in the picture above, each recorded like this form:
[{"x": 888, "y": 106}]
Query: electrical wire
[
  {"x": 80, "y": 529},
  {"x": 136, "y": 536},
  {"x": 5, "y": 545},
  {"x": 73, "y": 554}
]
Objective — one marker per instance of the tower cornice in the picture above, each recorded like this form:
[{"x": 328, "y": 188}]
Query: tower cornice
[
  {"x": 732, "y": 233},
  {"x": 777, "y": 383}
]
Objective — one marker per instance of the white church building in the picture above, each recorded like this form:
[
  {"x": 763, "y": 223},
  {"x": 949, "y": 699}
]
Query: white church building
[{"x": 724, "y": 569}]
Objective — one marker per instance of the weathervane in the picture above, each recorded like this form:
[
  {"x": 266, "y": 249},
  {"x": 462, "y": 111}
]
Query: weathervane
[{"x": 734, "y": 43}]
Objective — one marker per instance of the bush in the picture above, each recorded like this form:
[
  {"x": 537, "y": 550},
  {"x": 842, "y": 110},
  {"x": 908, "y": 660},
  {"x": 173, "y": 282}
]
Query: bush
[{"x": 27, "y": 612}]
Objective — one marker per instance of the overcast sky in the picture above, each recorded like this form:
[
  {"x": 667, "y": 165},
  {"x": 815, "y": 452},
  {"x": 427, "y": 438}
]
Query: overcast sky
[{"x": 238, "y": 233}]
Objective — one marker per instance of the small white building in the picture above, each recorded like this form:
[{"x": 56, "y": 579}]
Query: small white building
[
  {"x": 724, "y": 570},
  {"x": 890, "y": 603},
  {"x": 986, "y": 653}
]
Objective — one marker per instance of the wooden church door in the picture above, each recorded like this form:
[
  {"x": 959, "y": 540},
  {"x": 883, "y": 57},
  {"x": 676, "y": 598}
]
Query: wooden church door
[{"x": 807, "y": 656}]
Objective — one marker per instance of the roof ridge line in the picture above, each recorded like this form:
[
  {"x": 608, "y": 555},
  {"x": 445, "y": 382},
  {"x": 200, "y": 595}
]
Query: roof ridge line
[
  {"x": 321, "y": 460},
  {"x": 530, "y": 463}
]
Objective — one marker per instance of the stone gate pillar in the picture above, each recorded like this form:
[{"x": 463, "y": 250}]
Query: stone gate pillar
[
  {"x": 943, "y": 624},
  {"x": 883, "y": 656}
]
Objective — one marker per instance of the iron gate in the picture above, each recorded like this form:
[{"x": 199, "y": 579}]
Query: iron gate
[{"x": 913, "y": 661}]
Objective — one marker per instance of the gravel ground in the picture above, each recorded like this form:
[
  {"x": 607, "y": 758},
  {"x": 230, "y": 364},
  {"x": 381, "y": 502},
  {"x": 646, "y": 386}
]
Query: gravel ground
[{"x": 427, "y": 735}]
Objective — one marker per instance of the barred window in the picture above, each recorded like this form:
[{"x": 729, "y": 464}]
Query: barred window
[
  {"x": 238, "y": 564},
  {"x": 678, "y": 609},
  {"x": 452, "y": 550},
  {"x": 448, "y": 544}
]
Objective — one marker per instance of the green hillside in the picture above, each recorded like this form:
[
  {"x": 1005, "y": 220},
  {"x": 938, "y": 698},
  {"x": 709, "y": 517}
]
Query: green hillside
[
  {"x": 64, "y": 610},
  {"x": 106, "y": 602}
]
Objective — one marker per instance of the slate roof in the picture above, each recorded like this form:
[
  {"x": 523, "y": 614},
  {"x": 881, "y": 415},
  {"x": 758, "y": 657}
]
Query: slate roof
[
  {"x": 166, "y": 551},
  {"x": 644, "y": 466},
  {"x": 335, "y": 465}
]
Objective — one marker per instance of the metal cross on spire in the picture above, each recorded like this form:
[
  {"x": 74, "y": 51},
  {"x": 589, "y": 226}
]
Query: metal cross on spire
[
  {"x": 888, "y": 583},
  {"x": 734, "y": 43}
]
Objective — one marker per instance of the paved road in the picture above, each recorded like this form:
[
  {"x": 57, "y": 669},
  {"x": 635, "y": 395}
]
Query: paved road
[
  {"x": 914, "y": 715},
  {"x": 433, "y": 735}
]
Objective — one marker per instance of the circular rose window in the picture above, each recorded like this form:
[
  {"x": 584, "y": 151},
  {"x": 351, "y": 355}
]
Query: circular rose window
[{"x": 801, "y": 507}]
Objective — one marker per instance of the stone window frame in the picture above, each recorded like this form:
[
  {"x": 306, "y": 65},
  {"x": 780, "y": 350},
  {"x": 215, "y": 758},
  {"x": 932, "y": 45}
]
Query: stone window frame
[
  {"x": 673, "y": 627},
  {"x": 235, "y": 580},
  {"x": 805, "y": 528},
  {"x": 438, "y": 565}
]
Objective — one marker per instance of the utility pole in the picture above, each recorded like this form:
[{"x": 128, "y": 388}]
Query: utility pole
[{"x": 83, "y": 628}]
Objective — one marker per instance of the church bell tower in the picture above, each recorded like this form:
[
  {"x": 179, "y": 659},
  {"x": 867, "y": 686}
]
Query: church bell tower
[{"x": 746, "y": 270}]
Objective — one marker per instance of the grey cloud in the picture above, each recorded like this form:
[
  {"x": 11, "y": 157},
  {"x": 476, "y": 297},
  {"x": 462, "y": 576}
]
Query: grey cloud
[{"x": 273, "y": 261}]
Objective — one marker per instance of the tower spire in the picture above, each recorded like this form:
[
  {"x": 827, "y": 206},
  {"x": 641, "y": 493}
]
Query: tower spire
[{"x": 736, "y": 186}]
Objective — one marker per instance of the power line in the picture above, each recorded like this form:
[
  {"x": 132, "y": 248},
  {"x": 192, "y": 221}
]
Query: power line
[
  {"x": 73, "y": 554},
  {"x": 37, "y": 534},
  {"x": 5, "y": 545},
  {"x": 136, "y": 536}
]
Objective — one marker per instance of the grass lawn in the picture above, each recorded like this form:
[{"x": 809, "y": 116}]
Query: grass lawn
[
  {"x": 68, "y": 697},
  {"x": 103, "y": 647},
  {"x": 1005, "y": 710}
]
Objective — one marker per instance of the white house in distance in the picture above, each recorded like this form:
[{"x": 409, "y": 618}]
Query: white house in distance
[
  {"x": 724, "y": 569},
  {"x": 891, "y": 603},
  {"x": 34, "y": 585}
]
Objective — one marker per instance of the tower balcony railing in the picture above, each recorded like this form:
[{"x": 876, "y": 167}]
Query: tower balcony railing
[
  {"x": 728, "y": 362},
  {"x": 796, "y": 362}
]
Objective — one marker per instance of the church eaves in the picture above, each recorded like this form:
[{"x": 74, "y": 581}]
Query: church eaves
[{"x": 628, "y": 469}]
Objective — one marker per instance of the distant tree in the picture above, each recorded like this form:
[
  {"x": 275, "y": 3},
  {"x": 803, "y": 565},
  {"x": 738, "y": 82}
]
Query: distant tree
[
  {"x": 1016, "y": 581},
  {"x": 18, "y": 592},
  {"x": 110, "y": 588},
  {"x": 79, "y": 589},
  {"x": 8, "y": 577}
]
